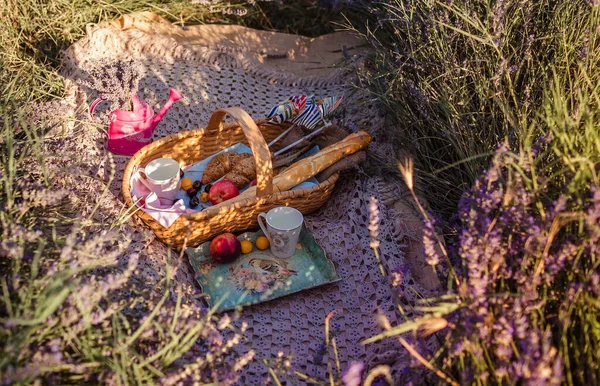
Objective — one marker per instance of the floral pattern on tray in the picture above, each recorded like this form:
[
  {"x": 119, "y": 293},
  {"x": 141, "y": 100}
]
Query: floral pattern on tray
[{"x": 259, "y": 272}]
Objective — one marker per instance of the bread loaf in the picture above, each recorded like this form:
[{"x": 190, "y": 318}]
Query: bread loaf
[
  {"x": 221, "y": 164},
  {"x": 242, "y": 173}
]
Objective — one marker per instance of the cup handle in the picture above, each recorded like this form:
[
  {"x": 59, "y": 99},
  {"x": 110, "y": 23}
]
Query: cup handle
[
  {"x": 143, "y": 179},
  {"x": 263, "y": 226}
]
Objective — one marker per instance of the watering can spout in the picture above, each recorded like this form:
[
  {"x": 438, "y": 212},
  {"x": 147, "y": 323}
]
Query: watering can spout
[{"x": 174, "y": 96}]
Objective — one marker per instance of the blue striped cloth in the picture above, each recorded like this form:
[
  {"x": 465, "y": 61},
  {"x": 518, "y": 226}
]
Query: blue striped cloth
[{"x": 310, "y": 115}]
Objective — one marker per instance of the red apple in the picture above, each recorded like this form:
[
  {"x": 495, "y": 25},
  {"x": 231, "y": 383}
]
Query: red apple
[
  {"x": 225, "y": 248},
  {"x": 222, "y": 191},
  {"x": 253, "y": 183}
]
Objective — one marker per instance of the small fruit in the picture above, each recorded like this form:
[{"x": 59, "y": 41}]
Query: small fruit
[
  {"x": 262, "y": 243},
  {"x": 197, "y": 185},
  {"x": 192, "y": 192},
  {"x": 246, "y": 246},
  {"x": 253, "y": 183},
  {"x": 207, "y": 188},
  {"x": 222, "y": 191},
  {"x": 186, "y": 183},
  {"x": 204, "y": 197},
  {"x": 225, "y": 248},
  {"x": 194, "y": 201}
]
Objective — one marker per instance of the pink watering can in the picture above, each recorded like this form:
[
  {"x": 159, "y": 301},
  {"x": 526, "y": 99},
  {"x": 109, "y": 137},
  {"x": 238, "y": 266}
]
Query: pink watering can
[{"x": 129, "y": 131}]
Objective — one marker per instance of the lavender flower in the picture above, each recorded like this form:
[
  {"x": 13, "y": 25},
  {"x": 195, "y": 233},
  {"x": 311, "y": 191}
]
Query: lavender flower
[
  {"x": 353, "y": 374},
  {"x": 373, "y": 223},
  {"x": 501, "y": 70},
  {"x": 504, "y": 246},
  {"x": 432, "y": 255},
  {"x": 112, "y": 79},
  {"x": 498, "y": 19}
]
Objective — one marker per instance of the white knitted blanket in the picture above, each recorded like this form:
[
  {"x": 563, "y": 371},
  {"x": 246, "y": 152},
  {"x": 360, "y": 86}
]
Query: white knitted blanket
[{"x": 221, "y": 66}]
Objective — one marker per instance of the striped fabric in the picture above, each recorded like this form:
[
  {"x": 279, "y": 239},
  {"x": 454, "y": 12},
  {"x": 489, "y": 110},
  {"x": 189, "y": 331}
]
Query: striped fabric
[
  {"x": 287, "y": 109},
  {"x": 310, "y": 115},
  {"x": 282, "y": 112},
  {"x": 330, "y": 104},
  {"x": 299, "y": 102},
  {"x": 304, "y": 110}
]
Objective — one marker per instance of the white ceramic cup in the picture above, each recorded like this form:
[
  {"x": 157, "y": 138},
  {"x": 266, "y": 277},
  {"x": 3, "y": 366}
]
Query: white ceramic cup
[
  {"x": 282, "y": 228},
  {"x": 162, "y": 177}
]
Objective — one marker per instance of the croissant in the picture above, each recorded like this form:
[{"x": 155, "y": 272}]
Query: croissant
[
  {"x": 221, "y": 165},
  {"x": 242, "y": 173}
]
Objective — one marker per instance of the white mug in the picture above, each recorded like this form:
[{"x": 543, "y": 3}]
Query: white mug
[
  {"x": 283, "y": 226},
  {"x": 162, "y": 177}
]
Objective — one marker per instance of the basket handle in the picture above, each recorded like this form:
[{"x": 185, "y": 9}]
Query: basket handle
[{"x": 260, "y": 150}]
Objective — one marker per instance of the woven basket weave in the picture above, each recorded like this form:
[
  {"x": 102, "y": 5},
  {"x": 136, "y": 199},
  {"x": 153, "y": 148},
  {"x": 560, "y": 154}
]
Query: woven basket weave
[{"x": 192, "y": 146}]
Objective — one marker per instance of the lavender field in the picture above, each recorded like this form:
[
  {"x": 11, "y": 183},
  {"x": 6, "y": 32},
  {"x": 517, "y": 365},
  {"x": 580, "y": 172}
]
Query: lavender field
[{"x": 496, "y": 106}]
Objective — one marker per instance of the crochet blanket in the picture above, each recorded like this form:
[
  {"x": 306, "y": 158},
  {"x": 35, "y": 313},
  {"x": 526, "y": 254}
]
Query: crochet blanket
[{"x": 217, "y": 66}]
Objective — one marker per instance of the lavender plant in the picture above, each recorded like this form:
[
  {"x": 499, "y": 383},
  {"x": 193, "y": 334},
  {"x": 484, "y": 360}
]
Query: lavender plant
[
  {"x": 113, "y": 80},
  {"x": 521, "y": 304},
  {"x": 461, "y": 76},
  {"x": 74, "y": 305},
  {"x": 526, "y": 307}
]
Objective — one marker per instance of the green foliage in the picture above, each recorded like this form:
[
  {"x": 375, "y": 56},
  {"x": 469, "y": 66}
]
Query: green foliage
[
  {"x": 73, "y": 306},
  {"x": 520, "y": 81},
  {"x": 461, "y": 77},
  {"x": 35, "y": 32}
]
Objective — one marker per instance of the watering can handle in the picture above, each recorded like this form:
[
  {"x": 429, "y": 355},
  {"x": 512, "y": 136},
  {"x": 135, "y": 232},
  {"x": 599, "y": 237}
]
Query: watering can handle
[{"x": 93, "y": 106}]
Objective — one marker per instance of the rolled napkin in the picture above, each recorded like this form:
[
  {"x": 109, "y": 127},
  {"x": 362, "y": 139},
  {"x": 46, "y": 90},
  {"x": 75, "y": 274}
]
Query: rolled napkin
[
  {"x": 311, "y": 114},
  {"x": 329, "y": 104},
  {"x": 287, "y": 109}
]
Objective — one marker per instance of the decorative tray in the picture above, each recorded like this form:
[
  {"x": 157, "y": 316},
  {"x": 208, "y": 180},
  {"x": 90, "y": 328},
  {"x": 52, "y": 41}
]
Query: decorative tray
[{"x": 259, "y": 276}]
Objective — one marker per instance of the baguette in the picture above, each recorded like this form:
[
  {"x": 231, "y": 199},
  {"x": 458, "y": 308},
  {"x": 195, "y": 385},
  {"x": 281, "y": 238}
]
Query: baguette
[{"x": 308, "y": 167}]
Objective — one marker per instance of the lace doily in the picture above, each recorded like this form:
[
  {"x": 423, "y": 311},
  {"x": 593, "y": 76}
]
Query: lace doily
[{"x": 229, "y": 75}]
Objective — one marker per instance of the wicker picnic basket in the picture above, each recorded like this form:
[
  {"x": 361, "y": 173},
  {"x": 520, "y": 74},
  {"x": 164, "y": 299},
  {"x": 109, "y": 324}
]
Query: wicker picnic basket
[{"x": 189, "y": 147}]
